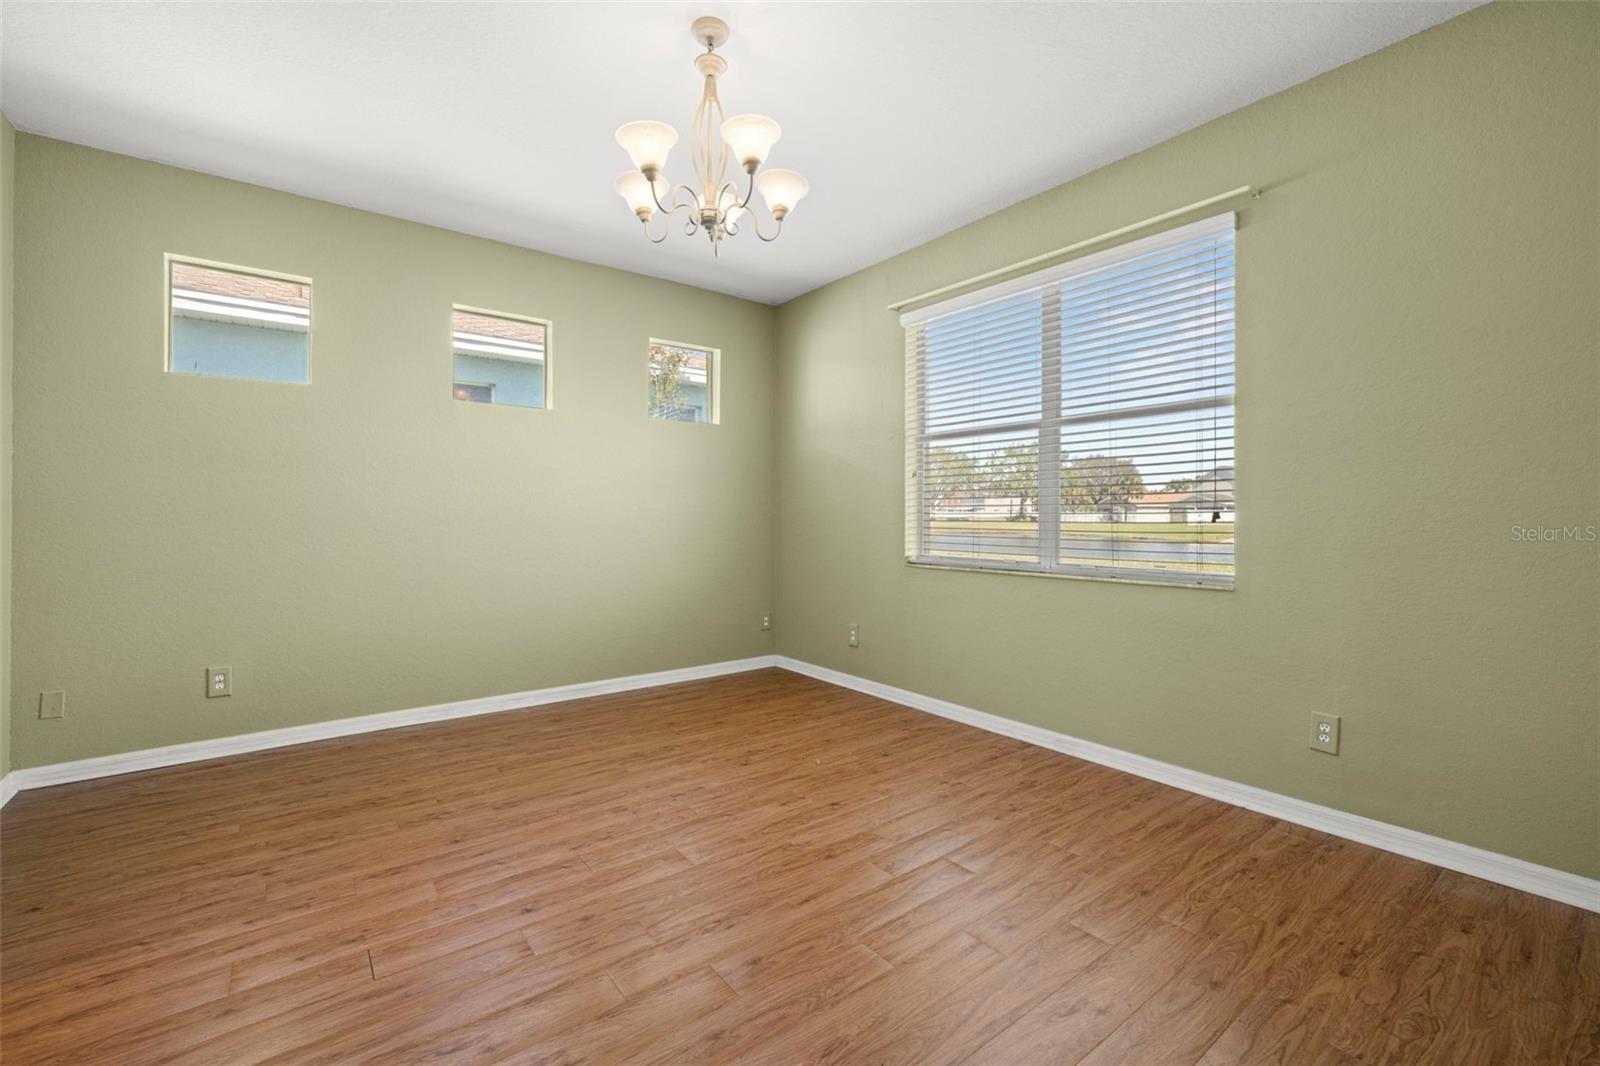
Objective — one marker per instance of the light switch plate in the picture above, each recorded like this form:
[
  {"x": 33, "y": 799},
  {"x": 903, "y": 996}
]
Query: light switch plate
[
  {"x": 1325, "y": 733},
  {"x": 219, "y": 681},
  {"x": 53, "y": 704}
]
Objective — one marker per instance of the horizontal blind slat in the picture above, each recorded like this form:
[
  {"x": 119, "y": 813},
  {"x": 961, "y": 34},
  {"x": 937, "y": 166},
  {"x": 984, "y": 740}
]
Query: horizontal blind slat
[{"x": 1141, "y": 351}]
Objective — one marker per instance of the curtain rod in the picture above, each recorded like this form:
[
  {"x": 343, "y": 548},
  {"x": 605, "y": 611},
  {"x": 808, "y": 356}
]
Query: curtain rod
[{"x": 1209, "y": 201}]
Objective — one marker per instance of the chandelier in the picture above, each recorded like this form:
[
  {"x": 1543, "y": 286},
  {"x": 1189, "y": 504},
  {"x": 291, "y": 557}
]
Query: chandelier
[{"x": 715, "y": 207}]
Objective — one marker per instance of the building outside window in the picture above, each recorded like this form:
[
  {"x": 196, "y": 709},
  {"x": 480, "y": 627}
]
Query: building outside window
[
  {"x": 234, "y": 322},
  {"x": 499, "y": 358}
]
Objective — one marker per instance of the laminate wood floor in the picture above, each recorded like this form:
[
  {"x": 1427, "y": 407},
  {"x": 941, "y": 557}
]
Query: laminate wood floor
[{"x": 762, "y": 868}]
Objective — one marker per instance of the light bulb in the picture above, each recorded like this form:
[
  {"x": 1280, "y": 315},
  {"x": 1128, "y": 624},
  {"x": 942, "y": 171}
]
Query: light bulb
[
  {"x": 782, "y": 189},
  {"x": 751, "y": 137},
  {"x": 647, "y": 144}
]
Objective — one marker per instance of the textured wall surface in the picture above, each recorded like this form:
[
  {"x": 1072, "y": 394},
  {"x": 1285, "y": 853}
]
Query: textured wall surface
[
  {"x": 365, "y": 543},
  {"x": 1418, "y": 375},
  {"x": 8, "y": 138}
]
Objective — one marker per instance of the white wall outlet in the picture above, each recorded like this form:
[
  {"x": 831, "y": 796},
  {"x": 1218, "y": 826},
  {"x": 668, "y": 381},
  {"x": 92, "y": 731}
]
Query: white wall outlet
[
  {"x": 1325, "y": 733},
  {"x": 854, "y": 637},
  {"x": 53, "y": 704},
  {"x": 219, "y": 681},
  {"x": 766, "y": 621}
]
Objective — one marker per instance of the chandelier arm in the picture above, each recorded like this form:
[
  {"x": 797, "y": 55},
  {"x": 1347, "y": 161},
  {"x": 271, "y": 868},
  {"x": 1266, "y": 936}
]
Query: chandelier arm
[
  {"x": 725, "y": 215},
  {"x": 667, "y": 213},
  {"x": 749, "y": 191},
  {"x": 692, "y": 202},
  {"x": 676, "y": 206},
  {"x": 756, "y": 225},
  {"x": 657, "y": 198},
  {"x": 665, "y": 233}
]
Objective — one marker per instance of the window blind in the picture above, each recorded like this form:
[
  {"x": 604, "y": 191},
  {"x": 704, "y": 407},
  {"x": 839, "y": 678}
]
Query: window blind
[{"x": 1079, "y": 420}]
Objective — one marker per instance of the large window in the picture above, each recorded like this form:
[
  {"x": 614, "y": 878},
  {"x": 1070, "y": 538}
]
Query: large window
[
  {"x": 232, "y": 322},
  {"x": 683, "y": 381},
  {"x": 499, "y": 358},
  {"x": 1079, "y": 421}
]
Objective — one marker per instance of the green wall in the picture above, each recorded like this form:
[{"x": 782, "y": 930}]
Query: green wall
[
  {"x": 8, "y": 140},
  {"x": 365, "y": 543},
  {"x": 1419, "y": 323},
  {"x": 1418, "y": 342}
]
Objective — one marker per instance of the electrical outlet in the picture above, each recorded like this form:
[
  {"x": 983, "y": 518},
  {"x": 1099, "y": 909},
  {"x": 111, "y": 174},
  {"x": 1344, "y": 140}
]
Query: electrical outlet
[
  {"x": 854, "y": 637},
  {"x": 52, "y": 704},
  {"x": 766, "y": 621},
  {"x": 219, "y": 681},
  {"x": 1325, "y": 733}
]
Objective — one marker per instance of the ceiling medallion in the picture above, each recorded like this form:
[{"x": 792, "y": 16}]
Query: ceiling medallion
[{"x": 715, "y": 207}]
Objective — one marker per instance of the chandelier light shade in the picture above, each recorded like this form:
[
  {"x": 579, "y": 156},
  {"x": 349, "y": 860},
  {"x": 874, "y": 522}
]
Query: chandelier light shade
[
  {"x": 647, "y": 144},
  {"x": 751, "y": 137},
  {"x": 781, "y": 189},
  {"x": 713, "y": 202},
  {"x": 635, "y": 188}
]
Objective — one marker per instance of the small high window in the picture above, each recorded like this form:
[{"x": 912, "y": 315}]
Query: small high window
[
  {"x": 233, "y": 322},
  {"x": 499, "y": 358},
  {"x": 683, "y": 381}
]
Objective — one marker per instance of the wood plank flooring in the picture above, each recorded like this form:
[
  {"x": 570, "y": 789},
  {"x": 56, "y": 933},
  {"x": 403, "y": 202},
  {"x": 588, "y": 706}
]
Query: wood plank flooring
[{"x": 757, "y": 868}]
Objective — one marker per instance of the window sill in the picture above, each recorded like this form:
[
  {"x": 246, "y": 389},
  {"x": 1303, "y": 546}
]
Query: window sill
[{"x": 1186, "y": 581}]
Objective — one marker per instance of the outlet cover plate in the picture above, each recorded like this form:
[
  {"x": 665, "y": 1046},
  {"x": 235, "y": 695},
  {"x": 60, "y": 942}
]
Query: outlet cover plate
[
  {"x": 854, "y": 636},
  {"x": 53, "y": 704},
  {"x": 1325, "y": 733},
  {"x": 219, "y": 681}
]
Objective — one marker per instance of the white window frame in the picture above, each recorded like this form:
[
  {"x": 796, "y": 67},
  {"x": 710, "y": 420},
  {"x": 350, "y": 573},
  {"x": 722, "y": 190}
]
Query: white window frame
[{"x": 1048, "y": 425}]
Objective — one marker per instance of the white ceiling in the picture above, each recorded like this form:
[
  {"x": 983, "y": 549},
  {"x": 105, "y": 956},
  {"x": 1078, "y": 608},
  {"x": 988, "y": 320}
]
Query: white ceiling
[{"x": 909, "y": 119}]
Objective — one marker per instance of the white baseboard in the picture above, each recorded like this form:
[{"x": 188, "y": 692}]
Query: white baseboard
[
  {"x": 176, "y": 754},
  {"x": 1490, "y": 866}
]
